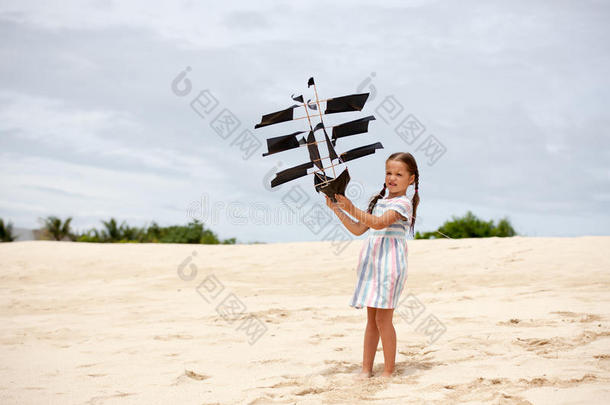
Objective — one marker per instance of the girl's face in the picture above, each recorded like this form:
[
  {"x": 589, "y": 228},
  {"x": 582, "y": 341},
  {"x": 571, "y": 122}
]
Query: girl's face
[{"x": 397, "y": 177}]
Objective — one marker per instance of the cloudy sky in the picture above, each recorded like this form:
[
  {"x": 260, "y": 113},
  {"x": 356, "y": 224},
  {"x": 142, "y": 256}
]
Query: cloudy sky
[{"x": 95, "y": 121}]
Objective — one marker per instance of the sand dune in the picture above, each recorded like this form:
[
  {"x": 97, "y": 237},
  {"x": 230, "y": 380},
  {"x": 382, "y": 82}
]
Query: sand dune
[{"x": 500, "y": 320}]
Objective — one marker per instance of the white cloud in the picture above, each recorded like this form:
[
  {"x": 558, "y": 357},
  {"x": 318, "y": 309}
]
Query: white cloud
[{"x": 517, "y": 91}]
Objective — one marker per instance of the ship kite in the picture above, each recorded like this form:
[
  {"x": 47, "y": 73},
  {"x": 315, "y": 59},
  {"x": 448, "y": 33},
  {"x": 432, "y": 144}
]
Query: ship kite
[{"x": 313, "y": 110}]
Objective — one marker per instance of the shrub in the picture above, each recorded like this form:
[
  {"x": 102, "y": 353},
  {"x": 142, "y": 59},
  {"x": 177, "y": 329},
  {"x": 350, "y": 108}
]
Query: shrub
[
  {"x": 469, "y": 226},
  {"x": 6, "y": 232}
]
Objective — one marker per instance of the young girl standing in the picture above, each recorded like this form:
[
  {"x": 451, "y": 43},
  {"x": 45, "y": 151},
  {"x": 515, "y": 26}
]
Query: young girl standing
[{"x": 382, "y": 265}]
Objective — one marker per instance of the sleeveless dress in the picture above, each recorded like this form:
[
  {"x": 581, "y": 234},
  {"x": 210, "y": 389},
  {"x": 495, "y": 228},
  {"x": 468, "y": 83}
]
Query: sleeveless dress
[{"x": 382, "y": 264}]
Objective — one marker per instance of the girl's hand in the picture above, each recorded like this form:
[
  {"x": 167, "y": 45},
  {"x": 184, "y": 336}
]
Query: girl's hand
[{"x": 344, "y": 203}]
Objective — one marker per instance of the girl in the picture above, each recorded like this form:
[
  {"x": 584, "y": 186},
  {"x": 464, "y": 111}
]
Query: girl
[{"x": 382, "y": 265}]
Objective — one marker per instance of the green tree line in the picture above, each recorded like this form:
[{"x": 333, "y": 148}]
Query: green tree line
[
  {"x": 468, "y": 226},
  {"x": 54, "y": 228}
]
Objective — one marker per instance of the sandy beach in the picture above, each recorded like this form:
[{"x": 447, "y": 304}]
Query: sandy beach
[{"x": 517, "y": 320}]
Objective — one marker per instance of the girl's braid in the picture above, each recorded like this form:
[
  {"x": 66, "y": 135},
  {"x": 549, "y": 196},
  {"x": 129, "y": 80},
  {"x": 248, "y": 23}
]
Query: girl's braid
[{"x": 374, "y": 200}]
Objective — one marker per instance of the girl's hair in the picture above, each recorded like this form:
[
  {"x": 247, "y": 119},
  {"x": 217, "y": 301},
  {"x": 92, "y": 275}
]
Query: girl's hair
[{"x": 411, "y": 164}]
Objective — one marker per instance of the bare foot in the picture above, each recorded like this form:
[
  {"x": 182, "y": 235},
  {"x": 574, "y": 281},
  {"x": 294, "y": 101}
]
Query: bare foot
[
  {"x": 386, "y": 374},
  {"x": 363, "y": 375}
]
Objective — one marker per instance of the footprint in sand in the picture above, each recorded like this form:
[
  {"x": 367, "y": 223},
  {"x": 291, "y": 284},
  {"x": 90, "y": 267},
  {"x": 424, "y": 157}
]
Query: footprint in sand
[
  {"x": 190, "y": 375},
  {"x": 532, "y": 323},
  {"x": 553, "y": 344},
  {"x": 267, "y": 361},
  {"x": 310, "y": 391},
  {"x": 266, "y": 399},
  {"x": 578, "y": 317},
  {"x": 171, "y": 337},
  {"x": 317, "y": 338},
  {"x": 86, "y": 365},
  {"x": 102, "y": 399},
  {"x": 195, "y": 376}
]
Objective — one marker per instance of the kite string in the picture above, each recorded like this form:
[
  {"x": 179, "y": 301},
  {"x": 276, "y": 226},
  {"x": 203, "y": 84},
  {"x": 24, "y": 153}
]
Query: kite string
[{"x": 444, "y": 235}]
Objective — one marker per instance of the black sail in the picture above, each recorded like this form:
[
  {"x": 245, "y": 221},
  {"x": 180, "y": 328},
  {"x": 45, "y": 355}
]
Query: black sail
[
  {"x": 284, "y": 142},
  {"x": 331, "y": 151},
  {"x": 276, "y": 117},
  {"x": 291, "y": 174},
  {"x": 354, "y": 127},
  {"x": 330, "y": 186},
  {"x": 353, "y": 102},
  {"x": 320, "y": 125},
  {"x": 360, "y": 151},
  {"x": 320, "y": 178},
  {"x": 314, "y": 152},
  {"x": 332, "y": 154}
]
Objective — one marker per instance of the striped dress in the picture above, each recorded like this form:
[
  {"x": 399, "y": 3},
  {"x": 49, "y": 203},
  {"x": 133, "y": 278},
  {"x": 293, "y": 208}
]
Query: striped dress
[{"x": 382, "y": 265}]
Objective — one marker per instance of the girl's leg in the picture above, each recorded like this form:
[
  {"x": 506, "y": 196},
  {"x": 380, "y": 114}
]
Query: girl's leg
[
  {"x": 383, "y": 318},
  {"x": 371, "y": 341}
]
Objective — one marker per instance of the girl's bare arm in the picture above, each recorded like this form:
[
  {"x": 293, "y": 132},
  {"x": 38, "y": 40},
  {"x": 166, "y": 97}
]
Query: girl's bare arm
[
  {"x": 368, "y": 220},
  {"x": 373, "y": 221},
  {"x": 357, "y": 228}
]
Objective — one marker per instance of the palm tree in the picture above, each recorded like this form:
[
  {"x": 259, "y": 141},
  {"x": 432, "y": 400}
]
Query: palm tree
[
  {"x": 112, "y": 233},
  {"x": 57, "y": 230},
  {"x": 132, "y": 233},
  {"x": 6, "y": 232}
]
